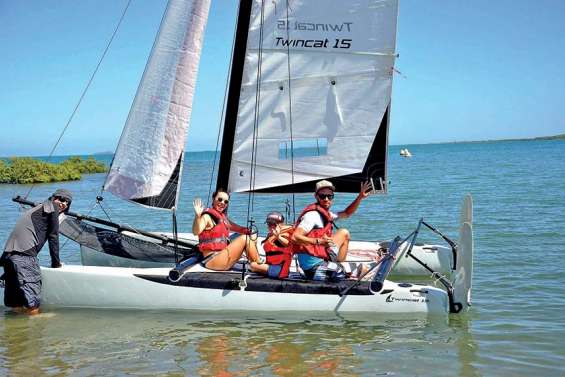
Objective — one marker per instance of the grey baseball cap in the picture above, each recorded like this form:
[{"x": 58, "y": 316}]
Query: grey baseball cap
[{"x": 64, "y": 194}]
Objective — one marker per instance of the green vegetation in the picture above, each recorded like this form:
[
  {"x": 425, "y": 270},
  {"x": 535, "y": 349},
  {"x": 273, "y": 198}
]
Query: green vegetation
[
  {"x": 25, "y": 170},
  {"x": 554, "y": 137}
]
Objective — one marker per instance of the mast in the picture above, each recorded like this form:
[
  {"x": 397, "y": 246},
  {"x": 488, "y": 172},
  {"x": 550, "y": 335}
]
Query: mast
[{"x": 232, "y": 106}]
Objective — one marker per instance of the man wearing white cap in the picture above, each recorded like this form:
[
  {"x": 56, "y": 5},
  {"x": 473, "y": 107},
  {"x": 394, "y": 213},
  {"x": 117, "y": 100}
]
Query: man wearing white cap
[
  {"x": 318, "y": 248},
  {"x": 21, "y": 268}
]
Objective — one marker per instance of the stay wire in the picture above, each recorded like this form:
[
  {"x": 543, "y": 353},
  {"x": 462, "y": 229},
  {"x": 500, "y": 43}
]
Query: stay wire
[
  {"x": 290, "y": 113},
  {"x": 103, "y": 210},
  {"x": 84, "y": 90},
  {"x": 81, "y": 229},
  {"x": 251, "y": 195}
]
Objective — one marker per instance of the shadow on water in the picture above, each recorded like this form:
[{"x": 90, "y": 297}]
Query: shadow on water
[{"x": 231, "y": 344}]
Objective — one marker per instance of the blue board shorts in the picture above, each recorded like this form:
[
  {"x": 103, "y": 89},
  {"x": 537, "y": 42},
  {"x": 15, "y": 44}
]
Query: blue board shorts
[
  {"x": 333, "y": 271},
  {"x": 22, "y": 281},
  {"x": 326, "y": 271},
  {"x": 274, "y": 271}
]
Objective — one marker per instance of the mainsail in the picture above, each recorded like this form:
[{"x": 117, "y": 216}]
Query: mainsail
[
  {"x": 147, "y": 164},
  {"x": 309, "y": 95}
]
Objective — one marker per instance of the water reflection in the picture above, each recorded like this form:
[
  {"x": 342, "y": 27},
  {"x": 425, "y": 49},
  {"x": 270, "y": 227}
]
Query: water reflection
[
  {"x": 231, "y": 344},
  {"x": 466, "y": 345},
  {"x": 24, "y": 348}
]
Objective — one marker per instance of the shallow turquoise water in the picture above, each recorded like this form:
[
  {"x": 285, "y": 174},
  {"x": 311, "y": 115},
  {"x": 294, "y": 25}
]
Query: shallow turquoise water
[{"x": 515, "y": 328}]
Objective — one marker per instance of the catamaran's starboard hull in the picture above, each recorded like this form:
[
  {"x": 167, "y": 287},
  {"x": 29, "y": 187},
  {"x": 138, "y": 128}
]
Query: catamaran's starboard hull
[{"x": 127, "y": 288}]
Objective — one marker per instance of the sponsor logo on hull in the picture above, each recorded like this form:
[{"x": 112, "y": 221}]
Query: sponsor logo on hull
[{"x": 391, "y": 298}]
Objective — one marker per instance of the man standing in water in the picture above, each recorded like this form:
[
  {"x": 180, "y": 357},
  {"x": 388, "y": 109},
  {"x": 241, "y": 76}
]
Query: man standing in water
[{"x": 21, "y": 267}]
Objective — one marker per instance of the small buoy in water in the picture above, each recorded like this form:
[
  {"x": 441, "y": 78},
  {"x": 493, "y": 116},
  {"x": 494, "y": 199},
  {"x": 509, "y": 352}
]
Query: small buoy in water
[{"x": 405, "y": 153}]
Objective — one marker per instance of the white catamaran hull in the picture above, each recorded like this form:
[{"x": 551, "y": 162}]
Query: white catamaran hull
[
  {"x": 128, "y": 288},
  {"x": 200, "y": 289}
]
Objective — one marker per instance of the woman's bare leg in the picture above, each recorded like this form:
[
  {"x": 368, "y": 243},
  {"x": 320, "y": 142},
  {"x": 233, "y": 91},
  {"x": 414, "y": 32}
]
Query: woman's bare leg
[
  {"x": 251, "y": 249},
  {"x": 262, "y": 268},
  {"x": 242, "y": 243},
  {"x": 224, "y": 260},
  {"x": 231, "y": 254}
]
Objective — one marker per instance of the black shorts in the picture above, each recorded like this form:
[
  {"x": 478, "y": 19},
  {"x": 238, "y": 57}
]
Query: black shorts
[{"x": 22, "y": 281}]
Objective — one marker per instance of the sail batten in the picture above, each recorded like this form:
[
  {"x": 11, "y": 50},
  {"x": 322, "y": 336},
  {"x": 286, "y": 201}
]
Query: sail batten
[
  {"x": 324, "y": 94},
  {"x": 147, "y": 165}
]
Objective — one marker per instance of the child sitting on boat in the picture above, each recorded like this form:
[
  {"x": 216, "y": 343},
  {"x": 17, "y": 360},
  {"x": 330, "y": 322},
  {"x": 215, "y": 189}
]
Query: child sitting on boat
[
  {"x": 278, "y": 250},
  {"x": 213, "y": 227}
]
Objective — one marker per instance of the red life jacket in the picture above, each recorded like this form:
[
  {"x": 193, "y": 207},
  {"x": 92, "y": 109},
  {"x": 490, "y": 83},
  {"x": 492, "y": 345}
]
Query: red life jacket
[
  {"x": 277, "y": 254},
  {"x": 216, "y": 238},
  {"x": 319, "y": 251}
]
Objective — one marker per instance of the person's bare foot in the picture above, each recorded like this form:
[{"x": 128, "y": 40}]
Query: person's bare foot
[
  {"x": 362, "y": 272},
  {"x": 28, "y": 311}
]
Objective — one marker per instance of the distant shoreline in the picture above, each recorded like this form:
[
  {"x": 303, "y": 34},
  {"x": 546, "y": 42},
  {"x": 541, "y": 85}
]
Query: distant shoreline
[
  {"x": 540, "y": 138},
  {"x": 554, "y": 137}
]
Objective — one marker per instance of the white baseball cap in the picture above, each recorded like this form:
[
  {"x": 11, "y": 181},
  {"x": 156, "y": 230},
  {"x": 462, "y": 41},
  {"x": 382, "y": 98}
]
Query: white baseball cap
[{"x": 324, "y": 184}]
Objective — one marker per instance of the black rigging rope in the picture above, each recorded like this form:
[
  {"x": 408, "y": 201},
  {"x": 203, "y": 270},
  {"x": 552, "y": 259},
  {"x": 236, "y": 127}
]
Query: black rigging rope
[
  {"x": 85, "y": 89},
  {"x": 176, "y": 236},
  {"x": 99, "y": 202}
]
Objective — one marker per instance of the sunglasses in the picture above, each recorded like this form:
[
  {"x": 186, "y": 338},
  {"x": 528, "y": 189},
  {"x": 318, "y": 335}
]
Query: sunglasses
[
  {"x": 222, "y": 200},
  {"x": 326, "y": 196},
  {"x": 62, "y": 200}
]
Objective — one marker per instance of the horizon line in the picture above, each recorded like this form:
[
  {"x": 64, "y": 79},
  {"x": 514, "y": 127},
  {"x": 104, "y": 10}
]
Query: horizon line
[{"x": 550, "y": 137}]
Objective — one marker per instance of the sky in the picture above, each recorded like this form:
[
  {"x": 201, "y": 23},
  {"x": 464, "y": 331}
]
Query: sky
[{"x": 470, "y": 70}]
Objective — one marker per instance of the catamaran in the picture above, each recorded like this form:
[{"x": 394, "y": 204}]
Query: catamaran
[{"x": 308, "y": 99}]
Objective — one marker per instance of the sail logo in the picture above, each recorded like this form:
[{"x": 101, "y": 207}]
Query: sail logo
[
  {"x": 312, "y": 26},
  {"x": 324, "y": 41},
  {"x": 313, "y": 43}
]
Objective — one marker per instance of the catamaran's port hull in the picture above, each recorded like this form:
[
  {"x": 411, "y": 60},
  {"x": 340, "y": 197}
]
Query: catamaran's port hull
[
  {"x": 439, "y": 258},
  {"x": 129, "y": 288},
  {"x": 106, "y": 247}
]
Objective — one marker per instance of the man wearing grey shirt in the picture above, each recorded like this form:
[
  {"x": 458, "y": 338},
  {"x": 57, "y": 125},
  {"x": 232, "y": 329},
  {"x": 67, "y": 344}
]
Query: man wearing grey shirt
[{"x": 33, "y": 229}]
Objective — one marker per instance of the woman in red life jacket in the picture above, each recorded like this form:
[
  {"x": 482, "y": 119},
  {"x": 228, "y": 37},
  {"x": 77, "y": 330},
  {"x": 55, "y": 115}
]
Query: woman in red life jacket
[
  {"x": 213, "y": 228},
  {"x": 278, "y": 250},
  {"x": 317, "y": 246}
]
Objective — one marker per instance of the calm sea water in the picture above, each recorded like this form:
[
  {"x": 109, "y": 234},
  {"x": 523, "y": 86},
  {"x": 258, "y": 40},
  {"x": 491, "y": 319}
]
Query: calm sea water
[{"x": 515, "y": 328}]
